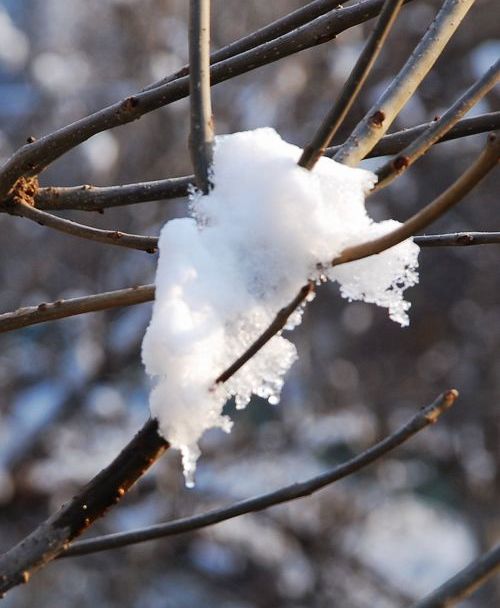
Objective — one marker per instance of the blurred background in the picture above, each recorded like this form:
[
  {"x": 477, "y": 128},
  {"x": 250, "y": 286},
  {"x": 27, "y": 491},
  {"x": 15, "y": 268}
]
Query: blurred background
[{"x": 73, "y": 392}]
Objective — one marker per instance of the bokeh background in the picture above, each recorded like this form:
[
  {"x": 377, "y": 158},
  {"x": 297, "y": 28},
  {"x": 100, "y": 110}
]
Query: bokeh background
[{"x": 73, "y": 392}]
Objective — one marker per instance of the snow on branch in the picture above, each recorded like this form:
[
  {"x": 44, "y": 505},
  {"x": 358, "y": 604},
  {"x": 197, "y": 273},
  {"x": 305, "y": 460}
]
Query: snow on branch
[{"x": 266, "y": 228}]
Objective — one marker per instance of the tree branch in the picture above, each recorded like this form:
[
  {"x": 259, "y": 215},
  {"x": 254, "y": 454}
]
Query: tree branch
[
  {"x": 201, "y": 138},
  {"x": 426, "y": 416},
  {"x": 464, "y": 583},
  {"x": 17, "y": 206},
  {"x": 105, "y": 490},
  {"x": 76, "y": 306},
  {"x": 323, "y": 136},
  {"x": 33, "y": 158},
  {"x": 394, "y": 167},
  {"x": 379, "y": 118},
  {"x": 458, "y": 239}
]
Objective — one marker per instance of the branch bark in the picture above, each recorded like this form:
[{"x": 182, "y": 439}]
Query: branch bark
[
  {"x": 105, "y": 490},
  {"x": 426, "y": 416}
]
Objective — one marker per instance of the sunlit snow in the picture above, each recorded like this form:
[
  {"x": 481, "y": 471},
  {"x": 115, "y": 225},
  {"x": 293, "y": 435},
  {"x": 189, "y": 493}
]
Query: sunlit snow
[{"x": 266, "y": 227}]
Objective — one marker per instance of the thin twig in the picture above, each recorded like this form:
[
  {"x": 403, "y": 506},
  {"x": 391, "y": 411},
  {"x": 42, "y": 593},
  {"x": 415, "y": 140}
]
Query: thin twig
[
  {"x": 427, "y": 415},
  {"x": 60, "y": 309},
  {"x": 109, "y": 237},
  {"x": 390, "y": 170},
  {"x": 276, "y": 326},
  {"x": 93, "y": 198},
  {"x": 465, "y": 582},
  {"x": 33, "y": 158},
  {"x": 379, "y": 118},
  {"x": 486, "y": 161},
  {"x": 201, "y": 138},
  {"x": 106, "y": 489},
  {"x": 458, "y": 239},
  {"x": 323, "y": 136}
]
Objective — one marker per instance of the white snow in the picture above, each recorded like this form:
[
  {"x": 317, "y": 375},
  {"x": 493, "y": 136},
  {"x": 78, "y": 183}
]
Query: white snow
[{"x": 248, "y": 248}]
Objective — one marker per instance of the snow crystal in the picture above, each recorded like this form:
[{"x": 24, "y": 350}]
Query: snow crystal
[{"x": 266, "y": 227}]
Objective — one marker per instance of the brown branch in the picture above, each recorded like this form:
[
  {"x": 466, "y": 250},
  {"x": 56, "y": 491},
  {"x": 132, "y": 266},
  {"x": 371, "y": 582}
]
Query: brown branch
[
  {"x": 396, "y": 166},
  {"x": 106, "y": 489},
  {"x": 201, "y": 138},
  {"x": 465, "y": 582},
  {"x": 76, "y": 306},
  {"x": 16, "y": 206},
  {"x": 333, "y": 120},
  {"x": 426, "y": 416},
  {"x": 487, "y": 160},
  {"x": 33, "y": 158}
]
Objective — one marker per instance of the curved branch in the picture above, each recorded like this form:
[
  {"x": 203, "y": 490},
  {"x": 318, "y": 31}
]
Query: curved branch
[
  {"x": 394, "y": 167},
  {"x": 379, "y": 118},
  {"x": 75, "y": 306},
  {"x": 201, "y": 138},
  {"x": 109, "y": 237},
  {"x": 323, "y": 136},
  {"x": 33, "y": 158},
  {"x": 427, "y": 415},
  {"x": 465, "y": 582},
  {"x": 106, "y": 489}
]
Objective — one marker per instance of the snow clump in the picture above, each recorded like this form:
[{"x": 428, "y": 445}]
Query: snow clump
[{"x": 266, "y": 227}]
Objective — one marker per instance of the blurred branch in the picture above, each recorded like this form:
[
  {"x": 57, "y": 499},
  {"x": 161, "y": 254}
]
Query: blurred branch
[
  {"x": 93, "y": 198},
  {"x": 379, "y": 118},
  {"x": 333, "y": 120},
  {"x": 16, "y": 206},
  {"x": 269, "y": 32},
  {"x": 394, "y": 167},
  {"x": 458, "y": 239},
  {"x": 34, "y": 157},
  {"x": 201, "y": 138},
  {"x": 464, "y": 583},
  {"x": 106, "y": 489},
  {"x": 76, "y": 306},
  {"x": 426, "y": 416},
  {"x": 486, "y": 161}
]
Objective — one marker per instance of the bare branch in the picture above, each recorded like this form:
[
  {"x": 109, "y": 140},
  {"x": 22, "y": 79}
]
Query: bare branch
[
  {"x": 323, "y": 136},
  {"x": 379, "y": 118},
  {"x": 33, "y": 158},
  {"x": 458, "y": 239},
  {"x": 93, "y": 198},
  {"x": 454, "y": 194},
  {"x": 106, "y": 489},
  {"x": 110, "y": 237},
  {"x": 76, "y": 306},
  {"x": 426, "y": 416},
  {"x": 390, "y": 170},
  {"x": 201, "y": 138},
  {"x": 465, "y": 582}
]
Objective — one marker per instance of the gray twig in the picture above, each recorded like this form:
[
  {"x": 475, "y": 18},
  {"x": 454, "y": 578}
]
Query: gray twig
[
  {"x": 379, "y": 118},
  {"x": 323, "y": 136}
]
